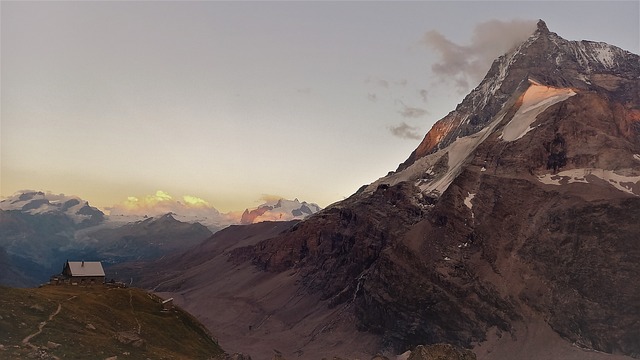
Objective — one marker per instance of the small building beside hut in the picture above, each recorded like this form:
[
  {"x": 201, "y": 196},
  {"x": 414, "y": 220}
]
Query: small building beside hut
[
  {"x": 81, "y": 273},
  {"x": 167, "y": 304}
]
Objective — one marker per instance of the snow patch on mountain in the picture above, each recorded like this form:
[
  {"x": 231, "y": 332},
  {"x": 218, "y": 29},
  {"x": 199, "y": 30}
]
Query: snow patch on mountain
[
  {"x": 467, "y": 200},
  {"x": 423, "y": 172},
  {"x": 536, "y": 100},
  {"x": 595, "y": 54},
  {"x": 626, "y": 183},
  {"x": 490, "y": 86},
  {"x": 457, "y": 153},
  {"x": 467, "y": 203}
]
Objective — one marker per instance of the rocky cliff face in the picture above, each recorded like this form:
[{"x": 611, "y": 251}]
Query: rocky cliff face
[{"x": 517, "y": 212}]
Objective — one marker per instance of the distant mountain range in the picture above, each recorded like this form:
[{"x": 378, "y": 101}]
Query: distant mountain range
[
  {"x": 38, "y": 202},
  {"x": 40, "y": 231},
  {"x": 161, "y": 203},
  {"x": 279, "y": 210}
]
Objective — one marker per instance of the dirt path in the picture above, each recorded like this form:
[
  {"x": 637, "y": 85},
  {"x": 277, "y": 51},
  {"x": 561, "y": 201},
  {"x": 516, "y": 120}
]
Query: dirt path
[
  {"x": 134, "y": 313},
  {"x": 26, "y": 340}
]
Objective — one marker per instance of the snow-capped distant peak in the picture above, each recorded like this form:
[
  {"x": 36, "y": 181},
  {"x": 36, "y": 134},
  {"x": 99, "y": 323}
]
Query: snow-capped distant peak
[
  {"x": 38, "y": 202},
  {"x": 279, "y": 210}
]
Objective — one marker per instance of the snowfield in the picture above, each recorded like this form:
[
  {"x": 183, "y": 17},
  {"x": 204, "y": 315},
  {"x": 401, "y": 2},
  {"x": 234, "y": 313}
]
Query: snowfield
[
  {"x": 628, "y": 184},
  {"x": 537, "y": 99}
]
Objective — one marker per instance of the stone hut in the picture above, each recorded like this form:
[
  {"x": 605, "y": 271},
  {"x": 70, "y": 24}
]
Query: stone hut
[{"x": 83, "y": 272}]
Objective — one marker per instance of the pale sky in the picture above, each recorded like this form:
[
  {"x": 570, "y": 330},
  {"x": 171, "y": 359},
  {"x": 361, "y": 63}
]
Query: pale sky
[{"x": 229, "y": 101}]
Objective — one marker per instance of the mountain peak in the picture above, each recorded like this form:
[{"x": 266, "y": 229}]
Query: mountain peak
[
  {"x": 545, "y": 57},
  {"x": 542, "y": 27}
]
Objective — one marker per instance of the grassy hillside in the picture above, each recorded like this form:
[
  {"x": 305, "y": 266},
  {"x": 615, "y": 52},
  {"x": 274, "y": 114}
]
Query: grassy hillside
[{"x": 97, "y": 323}]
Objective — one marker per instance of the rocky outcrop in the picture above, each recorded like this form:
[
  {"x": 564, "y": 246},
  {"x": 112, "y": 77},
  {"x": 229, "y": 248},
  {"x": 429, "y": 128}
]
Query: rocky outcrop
[{"x": 130, "y": 338}]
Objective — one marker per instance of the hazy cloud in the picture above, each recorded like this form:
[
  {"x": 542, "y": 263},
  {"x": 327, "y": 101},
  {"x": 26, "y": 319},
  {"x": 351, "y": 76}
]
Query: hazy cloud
[
  {"x": 191, "y": 208},
  {"x": 423, "y": 94},
  {"x": 304, "y": 90},
  {"x": 161, "y": 203},
  {"x": 411, "y": 112},
  {"x": 401, "y": 82},
  {"x": 395, "y": 91},
  {"x": 269, "y": 198},
  {"x": 405, "y": 131},
  {"x": 466, "y": 65},
  {"x": 379, "y": 82}
]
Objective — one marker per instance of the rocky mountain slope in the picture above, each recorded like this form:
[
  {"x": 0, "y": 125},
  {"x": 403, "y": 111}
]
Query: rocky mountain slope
[
  {"x": 146, "y": 239},
  {"x": 512, "y": 229}
]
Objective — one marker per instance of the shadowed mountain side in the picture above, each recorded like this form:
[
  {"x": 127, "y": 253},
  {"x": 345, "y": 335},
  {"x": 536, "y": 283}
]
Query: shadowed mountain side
[
  {"x": 253, "y": 311},
  {"x": 9, "y": 274},
  {"x": 149, "y": 274},
  {"x": 146, "y": 240}
]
